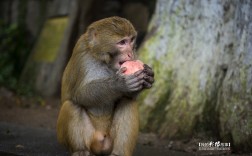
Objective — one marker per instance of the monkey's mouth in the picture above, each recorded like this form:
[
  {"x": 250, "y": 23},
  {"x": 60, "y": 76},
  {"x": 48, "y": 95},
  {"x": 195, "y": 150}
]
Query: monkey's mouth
[{"x": 121, "y": 62}]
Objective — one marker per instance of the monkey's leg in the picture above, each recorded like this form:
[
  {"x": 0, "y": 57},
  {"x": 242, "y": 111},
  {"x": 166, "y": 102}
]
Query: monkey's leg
[
  {"x": 125, "y": 128},
  {"x": 74, "y": 129},
  {"x": 102, "y": 143}
]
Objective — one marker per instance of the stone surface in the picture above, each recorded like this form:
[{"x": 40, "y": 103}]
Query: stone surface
[
  {"x": 201, "y": 55},
  {"x": 16, "y": 140}
]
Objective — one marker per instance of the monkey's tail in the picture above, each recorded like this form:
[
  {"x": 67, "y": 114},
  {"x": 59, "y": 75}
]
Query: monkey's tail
[{"x": 102, "y": 144}]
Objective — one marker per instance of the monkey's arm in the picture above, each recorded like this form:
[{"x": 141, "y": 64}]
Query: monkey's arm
[
  {"x": 107, "y": 91},
  {"x": 96, "y": 92}
]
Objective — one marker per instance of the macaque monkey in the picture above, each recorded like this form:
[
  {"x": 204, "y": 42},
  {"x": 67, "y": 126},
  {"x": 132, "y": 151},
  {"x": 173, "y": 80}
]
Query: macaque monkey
[{"x": 98, "y": 114}]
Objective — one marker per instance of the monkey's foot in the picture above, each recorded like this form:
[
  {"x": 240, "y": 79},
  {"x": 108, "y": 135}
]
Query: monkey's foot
[{"x": 82, "y": 153}]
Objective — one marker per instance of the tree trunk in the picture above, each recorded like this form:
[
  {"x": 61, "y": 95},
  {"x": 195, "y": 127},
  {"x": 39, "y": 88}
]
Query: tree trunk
[{"x": 201, "y": 53}]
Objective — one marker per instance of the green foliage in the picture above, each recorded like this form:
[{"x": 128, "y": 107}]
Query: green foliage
[{"x": 14, "y": 50}]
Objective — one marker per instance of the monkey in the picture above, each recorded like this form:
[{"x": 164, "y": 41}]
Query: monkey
[{"x": 99, "y": 114}]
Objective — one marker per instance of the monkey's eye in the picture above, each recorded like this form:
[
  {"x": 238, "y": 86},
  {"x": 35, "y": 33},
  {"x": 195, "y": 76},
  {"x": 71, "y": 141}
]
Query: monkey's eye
[{"x": 122, "y": 42}]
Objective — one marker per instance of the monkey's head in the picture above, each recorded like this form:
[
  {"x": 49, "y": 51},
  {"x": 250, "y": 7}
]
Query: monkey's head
[{"x": 112, "y": 41}]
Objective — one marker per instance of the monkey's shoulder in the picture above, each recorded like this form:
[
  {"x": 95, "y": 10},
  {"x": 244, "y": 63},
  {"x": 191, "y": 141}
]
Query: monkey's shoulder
[{"x": 96, "y": 70}]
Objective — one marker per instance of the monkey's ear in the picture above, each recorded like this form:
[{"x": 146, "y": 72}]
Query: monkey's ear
[{"x": 92, "y": 36}]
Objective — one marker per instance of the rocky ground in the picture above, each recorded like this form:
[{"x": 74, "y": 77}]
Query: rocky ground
[{"x": 27, "y": 127}]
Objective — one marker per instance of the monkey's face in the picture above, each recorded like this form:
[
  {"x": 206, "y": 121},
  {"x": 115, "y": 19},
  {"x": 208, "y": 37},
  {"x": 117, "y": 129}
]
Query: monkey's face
[
  {"x": 112, "y": 41},
  {"x": 125, "y": 51}
]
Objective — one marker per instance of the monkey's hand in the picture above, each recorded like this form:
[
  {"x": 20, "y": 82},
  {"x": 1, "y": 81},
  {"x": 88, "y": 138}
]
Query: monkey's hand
[
  {"x": 149, "y": 76},
  {"x": 132, "y": 83}
]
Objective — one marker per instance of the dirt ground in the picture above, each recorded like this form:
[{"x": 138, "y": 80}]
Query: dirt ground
[{"x": 42, "y": 113}]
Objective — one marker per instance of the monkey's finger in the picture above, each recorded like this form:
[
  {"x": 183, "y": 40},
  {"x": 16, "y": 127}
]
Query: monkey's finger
[
  {"x": 138, "y": 72},
  {"x": 137, "y": 84},
  {"x": 149, "y": 72},
  {"x": 132, "y": 80},
  {"x": 149, "y": 79},
  {"x": 121, "y": 71},
  {"x": 138, "y": 88},
  {"x": 147, "y": 67},
  {"x": 147, "y": 85}
]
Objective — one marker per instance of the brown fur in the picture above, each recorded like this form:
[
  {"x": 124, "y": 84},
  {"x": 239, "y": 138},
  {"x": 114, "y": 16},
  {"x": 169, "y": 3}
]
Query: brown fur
[{"x": 98, "y": 114}]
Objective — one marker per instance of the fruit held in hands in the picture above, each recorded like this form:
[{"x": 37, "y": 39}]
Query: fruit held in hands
[{"x": 132, "y": 66}]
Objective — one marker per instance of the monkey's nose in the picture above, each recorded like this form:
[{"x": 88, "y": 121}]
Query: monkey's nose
[{"x": 130, "y": 56}]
